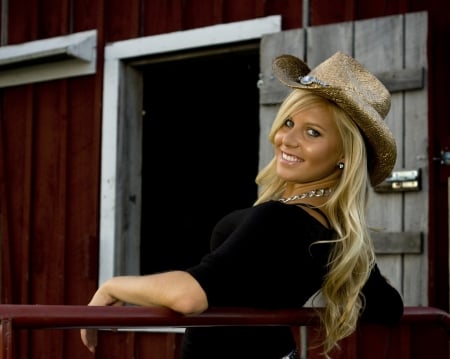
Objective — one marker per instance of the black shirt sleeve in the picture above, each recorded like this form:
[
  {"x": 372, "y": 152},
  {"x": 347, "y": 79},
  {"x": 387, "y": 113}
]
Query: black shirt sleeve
[{"x": 383, "y": 303}]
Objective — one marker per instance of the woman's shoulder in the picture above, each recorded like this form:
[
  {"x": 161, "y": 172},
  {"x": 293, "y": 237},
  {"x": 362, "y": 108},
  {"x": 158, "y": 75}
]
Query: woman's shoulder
[
  {"x": 272, "y": 214},
  {"x": 261, "y": 209}
]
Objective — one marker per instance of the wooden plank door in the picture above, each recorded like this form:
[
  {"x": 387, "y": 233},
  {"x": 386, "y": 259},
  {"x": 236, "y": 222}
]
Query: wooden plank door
[{"x": 394, "y": 48}]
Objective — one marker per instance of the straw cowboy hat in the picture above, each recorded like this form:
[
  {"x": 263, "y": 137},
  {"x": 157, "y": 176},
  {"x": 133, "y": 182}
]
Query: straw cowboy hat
[{"x": 347, "y": 83}]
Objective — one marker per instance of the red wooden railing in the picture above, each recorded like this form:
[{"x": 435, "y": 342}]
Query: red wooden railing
[{"x": 423, "y": 332}]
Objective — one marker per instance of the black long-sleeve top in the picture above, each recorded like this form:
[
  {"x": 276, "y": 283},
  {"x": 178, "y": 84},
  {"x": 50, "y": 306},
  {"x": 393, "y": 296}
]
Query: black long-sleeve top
[{"x": 266, "y": 256}]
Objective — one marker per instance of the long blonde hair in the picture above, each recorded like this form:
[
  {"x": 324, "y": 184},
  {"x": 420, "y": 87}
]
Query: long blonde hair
[{"x": 352, "y": 256}]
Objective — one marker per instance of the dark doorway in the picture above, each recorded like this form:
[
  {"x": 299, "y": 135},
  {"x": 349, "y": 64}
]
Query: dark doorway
[{"x": 200, "y": 152}]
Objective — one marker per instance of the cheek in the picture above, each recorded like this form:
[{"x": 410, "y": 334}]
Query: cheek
[
  {"x": 338, "y": 151},
  {"x": 328, "y": 155},
  {"x": 277, "y": 139}
]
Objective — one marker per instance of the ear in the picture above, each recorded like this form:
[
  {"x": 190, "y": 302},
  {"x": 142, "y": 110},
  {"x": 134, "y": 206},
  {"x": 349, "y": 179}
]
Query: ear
[{"x": 341, "y": 163}]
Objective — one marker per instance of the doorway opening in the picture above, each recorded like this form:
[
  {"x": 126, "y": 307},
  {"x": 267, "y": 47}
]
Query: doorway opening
[{"x": 199, "y": 153}]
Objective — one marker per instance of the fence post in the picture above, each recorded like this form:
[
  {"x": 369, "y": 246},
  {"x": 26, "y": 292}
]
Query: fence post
[{"x": 6, "y": 339}]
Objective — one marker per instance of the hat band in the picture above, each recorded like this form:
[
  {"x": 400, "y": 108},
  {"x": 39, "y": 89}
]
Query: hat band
[{"x": 308, "y": 80}]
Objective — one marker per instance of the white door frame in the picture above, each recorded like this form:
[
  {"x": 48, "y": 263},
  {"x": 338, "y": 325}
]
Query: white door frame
[{"x": 114, "y": 91}]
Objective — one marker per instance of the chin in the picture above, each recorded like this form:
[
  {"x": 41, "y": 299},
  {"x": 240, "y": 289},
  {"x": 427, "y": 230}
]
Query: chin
[{"x": 287, "y": 178}]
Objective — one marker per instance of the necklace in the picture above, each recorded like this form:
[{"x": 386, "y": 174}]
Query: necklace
[{"x": 322, "y": 192}]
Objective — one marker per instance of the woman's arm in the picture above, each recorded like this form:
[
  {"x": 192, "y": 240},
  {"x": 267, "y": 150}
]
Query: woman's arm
[{"x": 176, "y": 290}]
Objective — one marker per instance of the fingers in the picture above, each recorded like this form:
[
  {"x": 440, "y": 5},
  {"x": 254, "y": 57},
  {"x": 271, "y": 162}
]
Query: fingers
[{"x": 89, "y": 338}]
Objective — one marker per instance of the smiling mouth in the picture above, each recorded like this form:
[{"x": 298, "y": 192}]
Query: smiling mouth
[{"x": 290, "y": 158}]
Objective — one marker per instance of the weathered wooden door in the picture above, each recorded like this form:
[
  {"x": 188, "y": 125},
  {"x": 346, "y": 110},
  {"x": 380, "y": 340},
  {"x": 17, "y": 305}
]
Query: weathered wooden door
[{"x": 395, "y": 49}]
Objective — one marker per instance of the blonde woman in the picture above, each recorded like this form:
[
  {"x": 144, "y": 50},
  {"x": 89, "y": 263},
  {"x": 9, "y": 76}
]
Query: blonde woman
[{"x": 305, "y": 234}]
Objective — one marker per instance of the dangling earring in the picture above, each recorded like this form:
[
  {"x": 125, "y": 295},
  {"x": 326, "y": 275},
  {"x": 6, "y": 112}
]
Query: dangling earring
[{"x": 341, "y": 165}]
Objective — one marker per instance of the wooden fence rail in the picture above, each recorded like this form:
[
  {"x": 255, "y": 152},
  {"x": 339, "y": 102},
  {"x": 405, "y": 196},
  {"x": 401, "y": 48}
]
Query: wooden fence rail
[{"x": 423, "y": 332}]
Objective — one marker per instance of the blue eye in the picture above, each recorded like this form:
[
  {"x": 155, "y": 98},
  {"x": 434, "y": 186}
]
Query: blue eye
[
  {"x": 313, "y": 133},
  {"x": 289, "y": 123}
]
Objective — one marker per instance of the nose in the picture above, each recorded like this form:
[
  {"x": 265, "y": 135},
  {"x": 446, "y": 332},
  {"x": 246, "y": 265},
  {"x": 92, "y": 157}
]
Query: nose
[{"x": 290, "y": 139}]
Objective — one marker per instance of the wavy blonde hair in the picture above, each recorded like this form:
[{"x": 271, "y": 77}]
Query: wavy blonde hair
[{"x": 352, "y": 256}]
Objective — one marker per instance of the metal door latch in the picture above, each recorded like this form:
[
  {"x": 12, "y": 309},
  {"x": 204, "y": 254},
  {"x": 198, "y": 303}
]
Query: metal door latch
[
  {"x": 444, "y": 159},
  {"x": 401, "y": 181}
]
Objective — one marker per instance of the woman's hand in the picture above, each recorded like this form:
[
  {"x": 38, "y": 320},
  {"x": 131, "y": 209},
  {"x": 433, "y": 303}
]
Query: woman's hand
[
  {"x": 100, "y": 298},
  {"x": 89, "y": 338}
]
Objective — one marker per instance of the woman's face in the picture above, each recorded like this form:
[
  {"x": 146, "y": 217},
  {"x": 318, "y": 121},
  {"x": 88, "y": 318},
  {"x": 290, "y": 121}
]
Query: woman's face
[{"x": 308, "y": 146}]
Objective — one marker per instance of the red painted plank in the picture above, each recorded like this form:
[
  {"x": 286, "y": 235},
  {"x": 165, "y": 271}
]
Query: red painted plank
[
  {"x": 290, "y": 10},
  {"x": 121, "y": 20},
  {"x": 439, "y": 138},
  {"x": 17, "y": 142},
  {"x": 83, "y": 177},
  {"x": 5, "y": 238},
  {"x": 162, "y": 16},
  {"x": 49, "y": 190},
  {"x": 242, "y": 10},
  {"x": 199, "y": 13},
  {"x": 22, "y": 21},
  {"x": 56, "y": 19},
  {"x": 88, "y": 15},
  {"x": 350, "y": 10},
  {"x": 6, "y": 339}
]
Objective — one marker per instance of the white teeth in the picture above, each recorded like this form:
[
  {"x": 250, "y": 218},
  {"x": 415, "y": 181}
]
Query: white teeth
[{"x": 289, "y": 158}]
